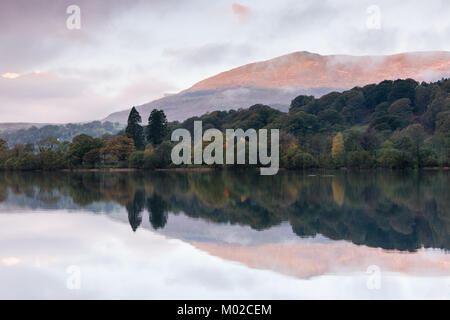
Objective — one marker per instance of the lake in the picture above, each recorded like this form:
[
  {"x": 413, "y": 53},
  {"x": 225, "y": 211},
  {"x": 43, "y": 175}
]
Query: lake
[{"x": 225, "y": 235}]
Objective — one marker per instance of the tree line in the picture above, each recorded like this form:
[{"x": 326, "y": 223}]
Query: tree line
[
  {"x": 63, "y": 132},
  {"x": 392, "y": 124},
  {"x": 85, "y": 151}
]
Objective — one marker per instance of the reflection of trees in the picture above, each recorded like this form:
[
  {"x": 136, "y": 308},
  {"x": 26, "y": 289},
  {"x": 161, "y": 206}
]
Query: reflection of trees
[
  {"x": 394, "y": 210},
  {"x": 356, "y": 224},
  {"x": 85, "y": 189},
  {"x": 3, "y": 192},
  {"x": 135, "y": 209},
  {"x": 157, "y": 211},
  {"x": 338, "y": 188}
]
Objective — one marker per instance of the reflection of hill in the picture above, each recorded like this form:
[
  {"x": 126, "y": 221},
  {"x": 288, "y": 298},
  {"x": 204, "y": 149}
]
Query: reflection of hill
[
  {"x": 306, "y": 260},
  {"x": 403, "y": 211}
]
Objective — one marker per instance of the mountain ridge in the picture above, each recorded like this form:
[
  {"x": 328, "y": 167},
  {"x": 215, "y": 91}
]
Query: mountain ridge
[{"x": 306, "y": 68}]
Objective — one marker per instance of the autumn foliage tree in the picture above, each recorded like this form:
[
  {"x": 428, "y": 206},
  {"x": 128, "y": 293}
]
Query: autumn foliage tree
[
  {"x": 118, "y": 149},
  {"x": 337, "y": 150}
]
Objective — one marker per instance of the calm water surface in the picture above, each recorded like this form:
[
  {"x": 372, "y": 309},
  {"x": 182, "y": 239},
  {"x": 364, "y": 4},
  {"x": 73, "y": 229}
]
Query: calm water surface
[{"x": 205, "y": 235}]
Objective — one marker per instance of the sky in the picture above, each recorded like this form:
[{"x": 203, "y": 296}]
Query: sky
[{"x": 130, "y": 52}]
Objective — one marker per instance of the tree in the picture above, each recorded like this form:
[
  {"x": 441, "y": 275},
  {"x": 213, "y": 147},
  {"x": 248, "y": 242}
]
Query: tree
[
  {"x": 303, "y": 160},
  {"x": 360, "y": 159},
  {"x": 403, "y": 89},
  {"x": 443, "y": 122},
  {"x": 3, "y": 146},
  {"x": 92, "y": 158},
  {"x": 416, "y": 135},
  {"x": 331, "y": 116},
  {"x": 441, "y": 143},
  {"x": 423, "y": 98},
  {"x": 27, "y": 161},
  {"x": 160, "y": 157},
  {"x": 52, "y": 160},
  {"x": 402, "y": 108},
  {"x": 353, "y": 140},
  {"x": 48, "y": 144},
  {"x": 136, "y": 159},
  {"x": 353, "y": 110},
  {"x": 157, "y": 126},
  {"x": 369, "y": 140},
  {"x": 390, "y": 157},
  {"x": 134, "y": 130},
  {"x": 337, "y": 150},
  {"x": 28, "y": 147},
  {"x": 3, "y": 152},
  {"x": 119, "y": 148},
  {"x": 377, "y": 93},
  {"x": 81, "y": 145},
  {"x": 298, "y": 123},
  {"x": 301, "y": 101}
]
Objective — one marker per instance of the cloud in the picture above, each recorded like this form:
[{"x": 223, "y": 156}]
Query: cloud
[
  {"x": 10, "y": 75},
  {"x": 172, "y": 45},
  {"x": 10, "y": 261},
  {"x": 53, "y": 98},
  {"x": 209, "y": 54},
  {"x": 40, "y": 85},
  {"x": 240, "y": 11}
]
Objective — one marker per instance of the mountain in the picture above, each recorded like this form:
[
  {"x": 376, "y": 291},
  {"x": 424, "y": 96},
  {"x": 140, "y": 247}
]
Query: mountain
[
  {"x": 277, "y": 81},
  {"x": 188, "y": 103}
]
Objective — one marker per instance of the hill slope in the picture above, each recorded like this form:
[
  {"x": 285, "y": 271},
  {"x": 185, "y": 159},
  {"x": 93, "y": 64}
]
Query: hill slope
[{"x": 277, "y": 81}]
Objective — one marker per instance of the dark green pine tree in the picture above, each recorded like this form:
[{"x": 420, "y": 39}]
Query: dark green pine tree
[
  {"x": 157, "y": 126},
  {"x": 134, "y": 130}
]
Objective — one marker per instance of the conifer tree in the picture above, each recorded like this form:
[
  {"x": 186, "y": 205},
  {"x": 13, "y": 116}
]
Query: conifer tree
[
  {"x": 134, "y": 130},
  {"x": 157, "y": 126}
]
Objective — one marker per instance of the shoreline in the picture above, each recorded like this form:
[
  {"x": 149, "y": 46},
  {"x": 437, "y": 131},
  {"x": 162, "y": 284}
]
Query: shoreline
[{"x": 208, "y": 169}]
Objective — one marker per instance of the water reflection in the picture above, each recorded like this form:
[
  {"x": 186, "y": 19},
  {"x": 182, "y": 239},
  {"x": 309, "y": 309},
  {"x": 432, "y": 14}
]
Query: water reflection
[{"x": 390, "y": 210}]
